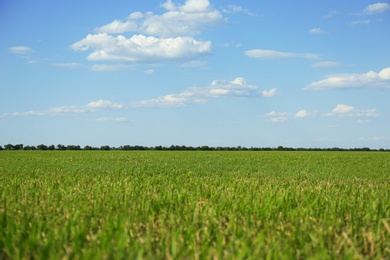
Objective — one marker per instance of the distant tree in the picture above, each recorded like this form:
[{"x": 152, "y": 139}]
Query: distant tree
[
  {"x": 87, "y": 147},
  {"x": 73, "y": 147},
  {"x": 18, "y": 147},
  {"x": 105, "y": 148},
  {"x": 51, "y": 147},
  {"x": 9, "y": 147},
  {"x": 42, "y": 147},
  {"x": 1, "y": 148},
  {"x": 61, "y": 147},
  {"x": 158, "y": 148},
  {"x": 28, "y": 147}
]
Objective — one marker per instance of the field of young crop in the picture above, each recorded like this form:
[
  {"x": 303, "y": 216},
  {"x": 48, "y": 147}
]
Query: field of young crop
[{"x": 194, "y": 205}]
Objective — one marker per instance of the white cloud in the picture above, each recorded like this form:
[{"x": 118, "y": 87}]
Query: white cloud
[
  {"x": 302, "y": 113},
  {"x": 218, "y": 88},
  {"x": 269, "y": 93},
  {"x": 140, "y": 48},
  {"x": 277, "y": 117},
  {"x": 237, "y": 9},
  {"x": 149, "y": 71},
  {"x": 326, "y": 64},
  {"x": 104, "y": 104},
  {"x": 159, "y": 37},
  {"x": 342, "y": 110},
  {"x": 377, "y": 8},
  {"x": 27, "y": 113},
  {"x": 66, "y": 109},
  {"x": 20, "y": 49},
  {"x": 317, "y": 31},
  {"x": 370, "y": 79},
  {"x": 272, "y": 54},
  {"x": 236, "y": 87},
  {"x": 178, "y": 20},
  {"x": 93, "y": 106}
]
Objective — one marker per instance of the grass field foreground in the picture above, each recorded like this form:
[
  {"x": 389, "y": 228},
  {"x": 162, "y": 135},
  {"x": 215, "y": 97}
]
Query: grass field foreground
[{"x": 194, "y": 205}]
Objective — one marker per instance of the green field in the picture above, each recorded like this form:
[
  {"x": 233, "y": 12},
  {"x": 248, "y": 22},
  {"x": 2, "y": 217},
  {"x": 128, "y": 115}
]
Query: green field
[{"x": 194, "y": 205}]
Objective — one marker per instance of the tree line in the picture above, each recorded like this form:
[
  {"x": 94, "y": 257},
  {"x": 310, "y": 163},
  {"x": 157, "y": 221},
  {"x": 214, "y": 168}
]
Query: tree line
[{"x": 61, "y": 147}]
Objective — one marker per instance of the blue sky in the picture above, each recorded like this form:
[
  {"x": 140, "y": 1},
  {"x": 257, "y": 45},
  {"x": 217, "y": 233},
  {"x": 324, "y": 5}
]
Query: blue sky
[{"x": 195, "y": 72}]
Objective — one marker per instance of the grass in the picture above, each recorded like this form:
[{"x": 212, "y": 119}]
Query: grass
[{"x": 194, "y": 205}]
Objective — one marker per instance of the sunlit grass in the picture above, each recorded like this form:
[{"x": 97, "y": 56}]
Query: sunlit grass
[{"x": 111, "y": 204}]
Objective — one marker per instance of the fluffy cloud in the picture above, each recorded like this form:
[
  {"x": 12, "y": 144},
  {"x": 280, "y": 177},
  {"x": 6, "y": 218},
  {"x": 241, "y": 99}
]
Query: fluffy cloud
[
  {"x": 370, "y": 79},
  {"x": 218, "y": 88},
  {"x": 165, "y": 37},
  {"x": 269, "y": 93},
  {"x": 277, "y": 117},
  {"x": 236, "y": 87},
  {"x": 273, "y": 55},
  {"x": 317, "y": 31},
  {"x": 104, "y": 104},
  {"x": 178, "y": 20},
  {"x": 301, "y": 113},
  {"x": 377, "y": 8},
  {"x": 140, "y": 48},
  {"x": 342, "y": 110},
  {"x": 20, "y": 49},
  {"x": 66, "y": 110},
  {"x": 280, "y": 117}
]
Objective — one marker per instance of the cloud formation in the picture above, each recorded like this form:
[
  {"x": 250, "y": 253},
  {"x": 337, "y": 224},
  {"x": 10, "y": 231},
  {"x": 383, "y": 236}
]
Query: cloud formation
[
  {"x": 237, "y": 9},
  {"x": 370, "y": 79},
  {"x": 218, "y": 88},
  {"x": 20, "y": 49},
  {"x": 277, "y": 117},
  {"x": 339, "y": 111},
  {"x": 301, "y": 113},
  {"x": 342, "y": 110},
  {"x": 269, "y": 93},
  {"x": 377, "y": 8},
  {"x": 178, "y": 20},
  {"x": 317, "y": 31},
  {"x": 140, "y": 48},
  {"x": 104, "y": 104},
  {"x": 276, "y": 55},
  {"x": 165, "y": 37},
  {"x": 326, "y": 64},
  {"x": 91, "y": 107}
]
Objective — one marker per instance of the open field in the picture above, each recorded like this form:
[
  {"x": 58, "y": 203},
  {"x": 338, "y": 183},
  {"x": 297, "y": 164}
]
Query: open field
[{"x": 150, "y": 204}]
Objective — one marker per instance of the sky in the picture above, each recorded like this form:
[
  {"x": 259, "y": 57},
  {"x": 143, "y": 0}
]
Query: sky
[{"x": 249, "y": 73}]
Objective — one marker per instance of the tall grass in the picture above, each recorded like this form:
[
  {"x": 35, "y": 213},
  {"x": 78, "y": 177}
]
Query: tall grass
[{"x": 178, "y": 205}]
